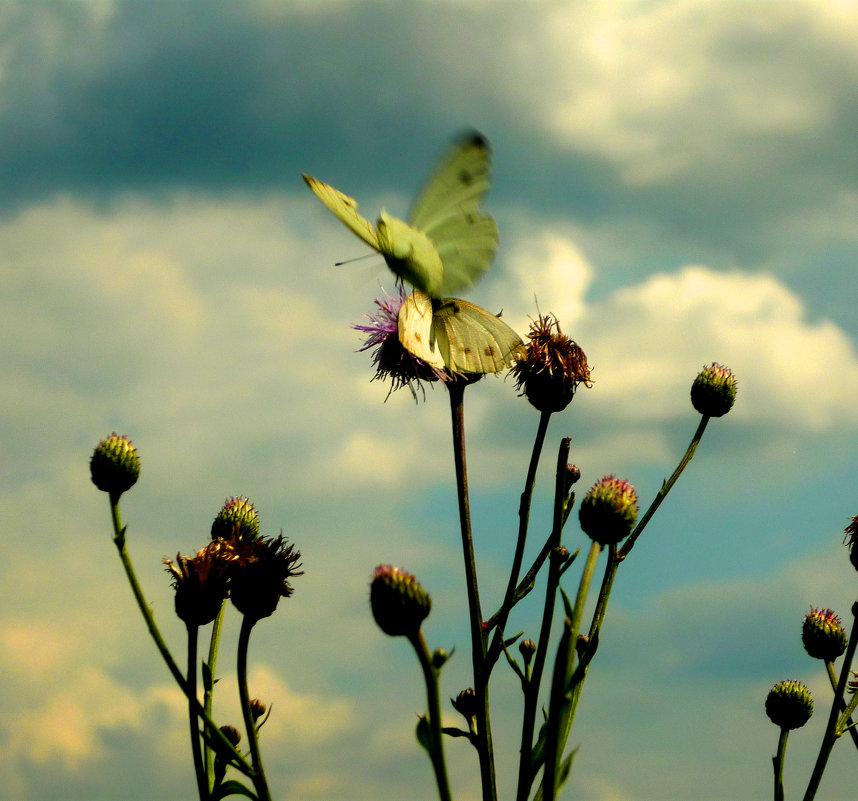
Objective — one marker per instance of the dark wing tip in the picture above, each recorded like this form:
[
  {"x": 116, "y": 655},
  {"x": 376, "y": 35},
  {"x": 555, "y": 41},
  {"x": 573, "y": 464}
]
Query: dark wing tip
[{"x": 474, "y": 138}]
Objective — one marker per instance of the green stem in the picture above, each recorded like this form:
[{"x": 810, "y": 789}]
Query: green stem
[
  {"x": 258, "y": 777},
  {"x": 778, "y": 763},
  {"x": 478, "y": 637},
  {"x": 523, "y": 519},
  {"x": 665, "y": 488},
  {"x": 208, "y": 692},
  {"x": 199, "y": 770},
  {"x": 527, "y": 768},
  {"x": 560, "y": 708},
  {"x": 832, "y": 677},
  {"x": 430, "y": 675},
  {"x": 148, "y": 617},
  {"x": 832, "y": 731}
]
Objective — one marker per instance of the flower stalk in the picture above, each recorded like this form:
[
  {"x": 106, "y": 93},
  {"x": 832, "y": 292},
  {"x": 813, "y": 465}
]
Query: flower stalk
[{"x": 478, "y": 637}]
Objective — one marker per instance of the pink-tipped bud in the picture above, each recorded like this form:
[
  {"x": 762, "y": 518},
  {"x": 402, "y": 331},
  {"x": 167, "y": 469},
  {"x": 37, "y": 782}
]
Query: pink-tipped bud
[
  {"x": 237, "y": 520},
  {"x": 399, "y": 604},
  {"x": 713, "y": 392},
  {"x": 823, "y": 634},
  {"x": 609, "y": 510}
]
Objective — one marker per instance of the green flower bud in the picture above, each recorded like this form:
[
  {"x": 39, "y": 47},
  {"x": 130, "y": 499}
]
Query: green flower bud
[
  {"x": 609, "y": 511},
  {"x": 789, "y": 704},
  {"x": 823, "y": 634},
  {"x": 714, "y": 390},
  {"x": 257, "y": 709},
  {"x": 237, "y": 520},
  {"x": 232, "y": 734},
  {"x": 114, "y": 465},
  {"x": 399, "y": 604},
  {"x": 527, "y": 648}
]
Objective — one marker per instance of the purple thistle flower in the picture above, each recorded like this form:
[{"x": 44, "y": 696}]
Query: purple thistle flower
[{"x": 390, "y": 358}]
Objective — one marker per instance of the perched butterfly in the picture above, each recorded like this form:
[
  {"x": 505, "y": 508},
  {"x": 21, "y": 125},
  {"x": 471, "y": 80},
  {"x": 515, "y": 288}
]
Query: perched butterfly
[{"x": 446, "y": 245}]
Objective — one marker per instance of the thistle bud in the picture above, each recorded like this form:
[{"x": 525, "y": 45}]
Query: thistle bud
[
  {"x": 465, "y": 703},
  {"x": 714, "y": 390},
  {"x": 573, "y": 474},
  {"x": 114, "y": 465},
  {"x": 440, "y": 657},
  {"x": 399, "y": 604},
  {"x": 789, "y": 704},
  {"x": 257, "y": 709},
  {"x": 233, "y": 735},
  {"x": 236, "y": 520},
  {"x": 823, "y": 634},
  {"x": 551, "y": 367},
  {"x": 559, "y": 554},
  {"x": 609, "y": 510},
  {"x": 527, "y": 648}
]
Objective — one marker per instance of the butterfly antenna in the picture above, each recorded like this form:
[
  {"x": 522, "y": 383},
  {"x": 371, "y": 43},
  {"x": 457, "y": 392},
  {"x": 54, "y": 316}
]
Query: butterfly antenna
[{"x": 356, "y": 258}]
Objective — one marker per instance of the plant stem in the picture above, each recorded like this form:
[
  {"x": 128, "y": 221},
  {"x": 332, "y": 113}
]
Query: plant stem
[
  {"x": 560, "y": 708},
  {"x": 832, "y": 731},
  {"x": 478, "y": 638},
  {"x": 258, "y": 777},
  {"x": 208, "y": 692},
  {"x": 148, "y": 617},
  {"x": 430, "y": 675},
  {"x": 778, "y": 763},
  {"x": 832, "y": 677},
  {"x": 526, "y": 767},
  {"x": 523, "y": 519},
  {"x": 665, "y": 488},
  {"x": 199, "y": 769}
]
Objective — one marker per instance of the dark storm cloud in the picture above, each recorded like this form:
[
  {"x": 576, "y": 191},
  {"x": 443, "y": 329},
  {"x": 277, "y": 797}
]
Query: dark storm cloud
[{"x": 214, "y": 96}]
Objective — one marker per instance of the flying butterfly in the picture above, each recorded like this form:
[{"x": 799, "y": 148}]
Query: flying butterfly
[{"x": 446, "y": 245}]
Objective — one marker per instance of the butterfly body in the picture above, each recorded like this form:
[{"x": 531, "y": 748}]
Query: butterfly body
[
  {"x": 446, "y": 245},
  {"x": 410, "y": 254}
]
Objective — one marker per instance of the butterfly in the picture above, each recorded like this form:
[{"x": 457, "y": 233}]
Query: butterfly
[{"x": 446, "y": 245}]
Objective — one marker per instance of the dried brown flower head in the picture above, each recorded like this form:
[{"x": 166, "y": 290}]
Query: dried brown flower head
[{"x": 551, "y": 368}]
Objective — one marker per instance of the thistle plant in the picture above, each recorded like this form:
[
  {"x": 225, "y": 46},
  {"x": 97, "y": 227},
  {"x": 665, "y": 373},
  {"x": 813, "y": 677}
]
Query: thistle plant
[
  {"x": 238, "y": 564},
  {"x": 789, "y": 704},
  {"x": 548, "y": 371},
  {"x": 427, "y": 338}
]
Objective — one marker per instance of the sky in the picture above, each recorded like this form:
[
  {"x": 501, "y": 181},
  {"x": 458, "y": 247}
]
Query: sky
[{"x": 675, "y": 180}]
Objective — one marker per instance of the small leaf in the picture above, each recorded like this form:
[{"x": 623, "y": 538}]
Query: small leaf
[
  {"x": 208, "y": 684},
  {"x": 567, "y": 604},
  {"x": 424, "y": 735},
  {"x": 565, "y": 768},
  {"x": 233, "y": 787}
]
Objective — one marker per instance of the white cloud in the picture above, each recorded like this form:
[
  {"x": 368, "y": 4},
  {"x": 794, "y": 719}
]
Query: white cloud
[
  {"x": 646, "y": 342},
  {"x": 661, "y": 88}
]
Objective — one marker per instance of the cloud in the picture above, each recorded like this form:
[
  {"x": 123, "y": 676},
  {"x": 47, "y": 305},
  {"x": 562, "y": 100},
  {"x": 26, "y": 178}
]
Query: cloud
[{"x": 647, "y": 341}]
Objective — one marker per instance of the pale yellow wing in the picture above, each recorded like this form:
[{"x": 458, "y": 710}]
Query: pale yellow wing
[
  {"x": 471, "y": 339},
  {"x": 345, "y": 208},
  {"x": 415, "y": 329},
  {"x": 448, "y": 211}
]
